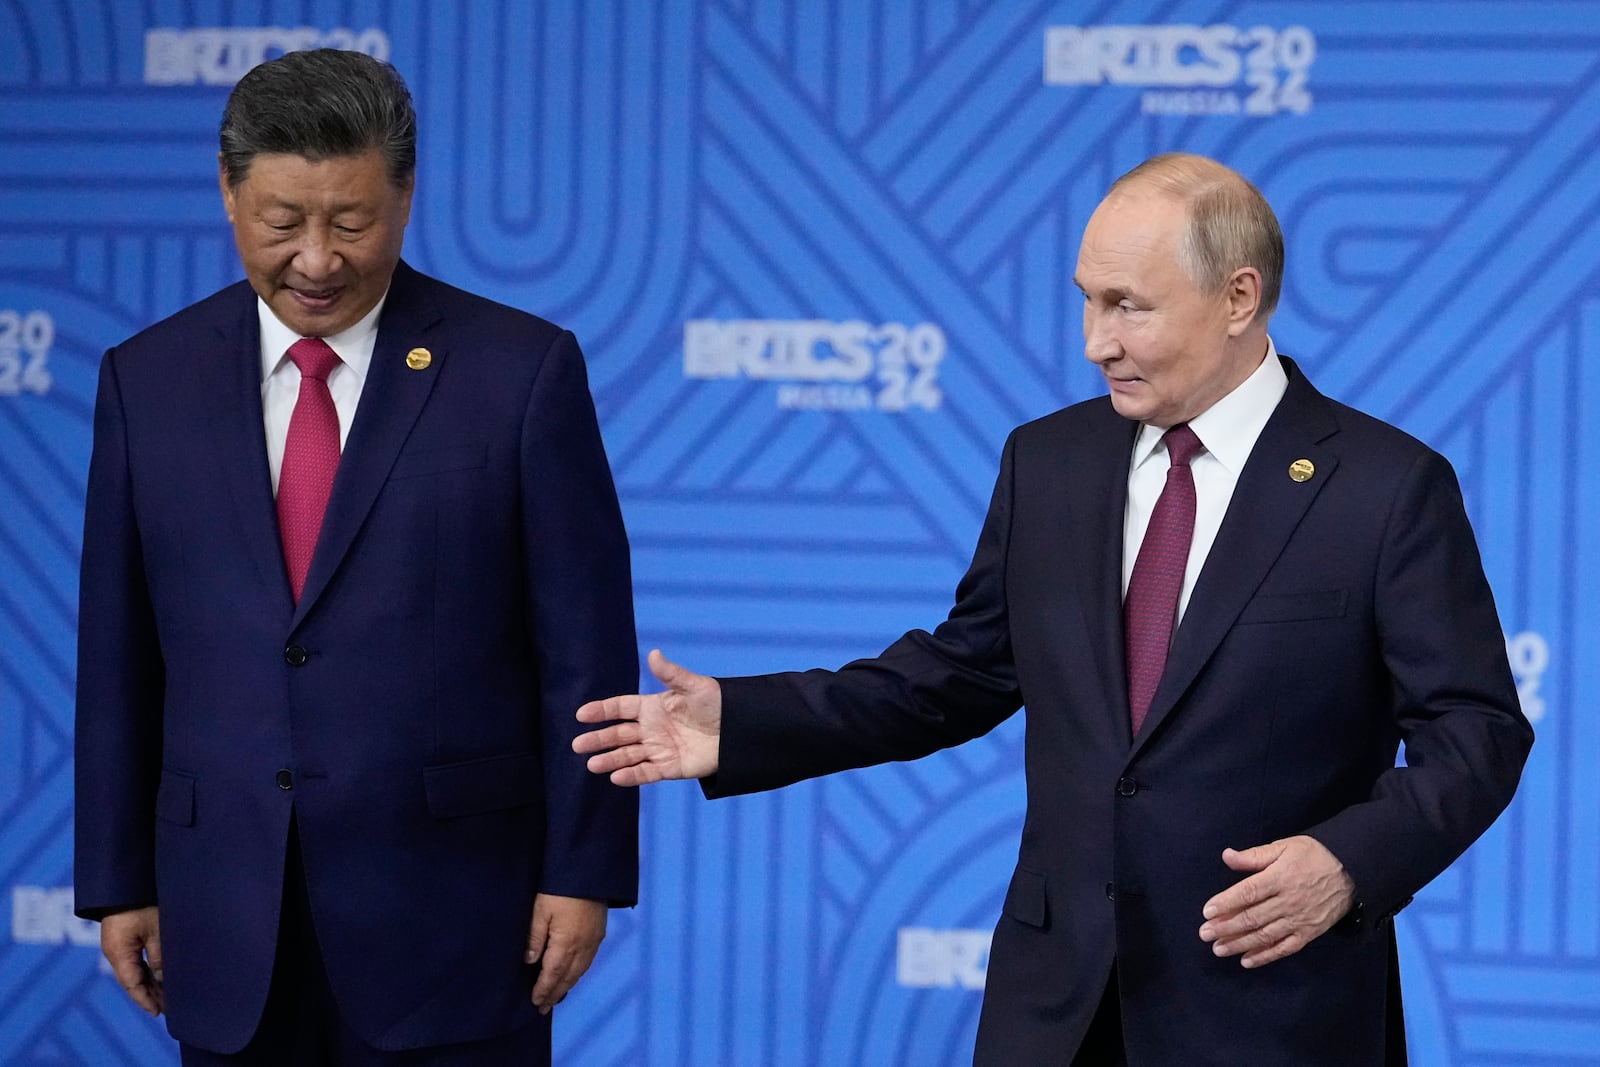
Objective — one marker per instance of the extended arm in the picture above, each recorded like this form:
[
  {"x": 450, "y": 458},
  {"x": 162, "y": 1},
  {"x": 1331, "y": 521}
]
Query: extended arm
[{"x": 925, "y": 692}]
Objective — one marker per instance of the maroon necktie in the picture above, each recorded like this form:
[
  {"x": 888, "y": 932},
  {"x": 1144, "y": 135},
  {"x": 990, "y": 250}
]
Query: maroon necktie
[
  {"x": 1151, "y": 607},
  {"x": 310, "y": 458}
]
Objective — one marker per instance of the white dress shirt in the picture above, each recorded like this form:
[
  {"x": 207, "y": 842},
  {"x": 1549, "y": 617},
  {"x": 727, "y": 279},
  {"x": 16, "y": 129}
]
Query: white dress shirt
[
  {"x": 280, "y": 378},
  {"x": 1228, "y": 430}
]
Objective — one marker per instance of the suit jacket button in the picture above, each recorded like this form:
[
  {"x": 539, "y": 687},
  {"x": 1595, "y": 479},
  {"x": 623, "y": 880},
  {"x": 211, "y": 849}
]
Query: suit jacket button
[
  {"x": 1111, "y": 891},
  {"x": 1126, "y": 787},
  {"x": 285, "y": 779},
  {"x": 294, "y": 656}
]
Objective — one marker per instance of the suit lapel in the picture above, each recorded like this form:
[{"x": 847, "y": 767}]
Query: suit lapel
[
  {"x": 391, "y": 400},
  {"x": 231, "y": 384},
  {"x": 1095, "y": 507},
  {"x": 1266, "y": 507}
]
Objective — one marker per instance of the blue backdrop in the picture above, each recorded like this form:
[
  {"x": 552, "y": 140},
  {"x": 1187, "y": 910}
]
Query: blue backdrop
[{"x": 819, "y": 253}]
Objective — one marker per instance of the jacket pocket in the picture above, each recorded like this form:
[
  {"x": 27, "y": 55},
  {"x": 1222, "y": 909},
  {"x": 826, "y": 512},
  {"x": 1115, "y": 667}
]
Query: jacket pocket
[
  {"x": 1026, "y": 901},
  {"x": 175, "y": 798},
  {"x": 490, "y": 784},
  {"x": 1296, "y": 607}
]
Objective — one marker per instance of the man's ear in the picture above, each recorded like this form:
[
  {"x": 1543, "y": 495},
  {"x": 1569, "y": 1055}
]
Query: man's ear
[
  {"x": 1243, "y": 291},
  {"x": 228, "y": 199},
  {"x": 405, "y": 206}
]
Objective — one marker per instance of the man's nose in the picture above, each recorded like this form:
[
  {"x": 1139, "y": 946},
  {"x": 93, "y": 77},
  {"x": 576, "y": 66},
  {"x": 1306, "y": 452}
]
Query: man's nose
[
  {"x": 316, "y": 258},
  {"x": 1100, "y": 343}
]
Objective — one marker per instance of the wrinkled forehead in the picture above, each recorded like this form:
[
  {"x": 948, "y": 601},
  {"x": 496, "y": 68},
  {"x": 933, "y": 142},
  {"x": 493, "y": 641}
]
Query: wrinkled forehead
[
  {"x": 1133, "y": 229},
  {"x": 1138, "y": 211}
]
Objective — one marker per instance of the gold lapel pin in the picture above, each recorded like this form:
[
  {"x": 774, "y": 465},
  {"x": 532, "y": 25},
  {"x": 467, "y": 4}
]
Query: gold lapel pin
[
  {"x": 1301, "y": 470},
  {"x": 419, "y": 358}
]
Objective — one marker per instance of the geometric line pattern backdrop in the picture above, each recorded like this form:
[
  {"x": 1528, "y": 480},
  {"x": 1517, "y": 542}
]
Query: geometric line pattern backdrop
[{"x": 820, "y": 259}]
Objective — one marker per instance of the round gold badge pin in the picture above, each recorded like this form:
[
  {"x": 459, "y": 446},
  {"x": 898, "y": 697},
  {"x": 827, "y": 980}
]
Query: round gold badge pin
[
  {"x": 1301, "y": 470},
  {"x": 419, "y": 358}
]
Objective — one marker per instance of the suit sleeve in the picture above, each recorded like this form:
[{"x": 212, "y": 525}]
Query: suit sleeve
[
  {"x": 121, "y": 682},
  {"x": 925, "y": 692},
  {"x": 580, "y": 606},
  {"x": 1455, "y": 705}
]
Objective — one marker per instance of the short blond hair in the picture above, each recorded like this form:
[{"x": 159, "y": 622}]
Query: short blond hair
[{"x": 1231, "y": 225}]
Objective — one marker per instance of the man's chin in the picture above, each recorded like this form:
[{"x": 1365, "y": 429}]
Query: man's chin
[{"x": 1135, "y": 408}]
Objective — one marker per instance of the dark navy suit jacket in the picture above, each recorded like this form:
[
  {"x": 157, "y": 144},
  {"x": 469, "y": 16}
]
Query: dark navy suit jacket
[
  {"x": 469, "y": 590},
  {"x": 1334, "y": 619}
]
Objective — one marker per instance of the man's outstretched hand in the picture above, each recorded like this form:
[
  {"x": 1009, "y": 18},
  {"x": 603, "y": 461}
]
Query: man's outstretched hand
[{"x": 673, "y": 734}]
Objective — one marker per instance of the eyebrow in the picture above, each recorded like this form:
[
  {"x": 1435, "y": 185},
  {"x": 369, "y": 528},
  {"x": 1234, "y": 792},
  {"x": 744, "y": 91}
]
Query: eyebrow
[
  {"x": 1112, "y": 293},
  {"x": 342, "y": 208}
]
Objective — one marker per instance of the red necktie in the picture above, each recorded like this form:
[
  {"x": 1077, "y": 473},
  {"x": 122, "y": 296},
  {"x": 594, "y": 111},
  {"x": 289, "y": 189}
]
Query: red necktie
[
  {"x": 310, "y": 459},
  {"x": 1151, "y": 607}
]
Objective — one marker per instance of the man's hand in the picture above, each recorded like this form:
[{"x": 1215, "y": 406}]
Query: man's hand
[
  {"x": 675, "y": 734},
  {"x": 131, "y": 941},
  {"x": 1297, "y": 891},
  {"x": 564, "y": 936}
]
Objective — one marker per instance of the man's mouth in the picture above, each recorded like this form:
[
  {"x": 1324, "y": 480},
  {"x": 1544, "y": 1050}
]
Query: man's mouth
[{"x": 316, "y": 299}]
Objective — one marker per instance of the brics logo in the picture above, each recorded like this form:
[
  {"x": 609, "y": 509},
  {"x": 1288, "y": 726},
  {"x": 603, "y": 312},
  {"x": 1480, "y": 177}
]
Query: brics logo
[
  {"x": 1529, "y": 654},
  {"x": 1189, "y": 70},
  {"x": 42, "y": 915},
  {"x": 822, "y": 365},
  {"x": 942, "y": 959},
  {"x": 221, "y": 56},
  {"x": 25, "y": 340}
]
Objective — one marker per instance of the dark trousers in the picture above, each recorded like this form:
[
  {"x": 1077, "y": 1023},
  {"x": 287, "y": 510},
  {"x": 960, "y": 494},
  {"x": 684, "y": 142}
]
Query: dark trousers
[
  {"x": 1103, "y": 1045},
  {"x": 301, "y": 1025}
]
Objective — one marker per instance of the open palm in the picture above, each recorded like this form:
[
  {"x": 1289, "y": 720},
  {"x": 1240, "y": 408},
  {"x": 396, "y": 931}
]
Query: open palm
[{"x": 672, "y": 734}]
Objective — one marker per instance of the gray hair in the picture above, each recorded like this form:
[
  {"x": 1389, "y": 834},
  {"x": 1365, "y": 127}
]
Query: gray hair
[
  {"x": 1231, "y": 225},
  {"x": 320, "y": 104}
]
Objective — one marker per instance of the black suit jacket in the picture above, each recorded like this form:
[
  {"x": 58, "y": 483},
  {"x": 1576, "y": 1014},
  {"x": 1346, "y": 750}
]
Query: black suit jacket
[
  {"x": 414, "y": 711},
  {"x": 1334, "y": 619}
]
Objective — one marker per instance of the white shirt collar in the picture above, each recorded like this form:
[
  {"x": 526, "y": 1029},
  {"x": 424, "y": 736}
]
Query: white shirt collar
[
  {"x": 1229, "y": 427},
  {"x": 353, "y": 346}
]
